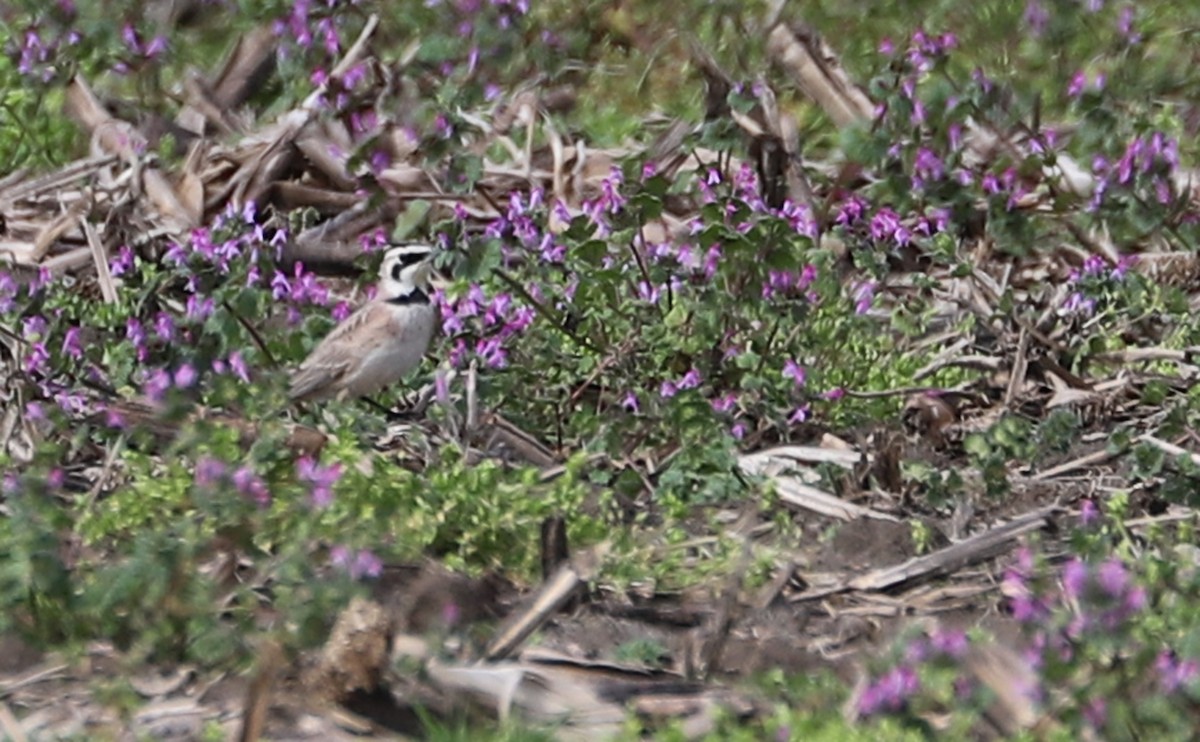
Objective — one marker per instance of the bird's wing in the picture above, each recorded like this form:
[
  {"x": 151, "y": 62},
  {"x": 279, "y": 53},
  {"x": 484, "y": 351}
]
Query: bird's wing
[{"x": 341, "y": 350}]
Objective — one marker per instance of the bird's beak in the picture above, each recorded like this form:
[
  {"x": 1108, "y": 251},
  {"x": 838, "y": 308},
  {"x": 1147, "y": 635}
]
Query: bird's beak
[{"x": 429, "y": 275}]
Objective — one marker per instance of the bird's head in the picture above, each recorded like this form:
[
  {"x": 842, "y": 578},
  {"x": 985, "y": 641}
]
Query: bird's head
[{"x": 405, "y": 269}]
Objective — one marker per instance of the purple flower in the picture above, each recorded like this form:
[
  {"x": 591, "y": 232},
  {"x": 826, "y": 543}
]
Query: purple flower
[
  {"x": 198, "y": 309},
  {"x": 209, "y": 471},
  {"x": 122, "y": 263},
  {"x": 70, "y": 402},
  {"x": 927, "y": 167},
  {"x": 521, "y": 319},
  {"x": 36, "y": 361},
  {"x": 668, "y": 390},
  {"x": 130, "y": 36},
  {"x": 114, "y": 418},
  {"x": 341, "y": 557},
  {"x": 724, "y": 403},
  {"x": 799, "y": 415},
  {"x": 890, "y": 692},
  {"x": 799, "y": 218},
  {"x": 164, "y": 326},
  {"x": 441, "y": 386},
  {"x": 373, "y": 240},
  {"x": 1074, "y": 578},
  {"x": 885, "y": 225},
  {"x": 648, "y": 292},
  {"x": 1112, "y": 578},
  {"x": 157, "y": 384},
  {"x": 1088, "y": 512},
  {"x": 357, "y": 564},
  {"x": 251, "y": 486},
  {"x": 1125, "y": 25},
  {"x": 738, "y": 431},
  {"x": 1037, "y": 17},
  {"x": 34, "y": 328},
  {"x": 44, "y": 279},
  {"x": 176, "y": 254},
  {"x": 280, "y": 286},
  {"x": 135, "y": 334},
  {"x": 630, "y": 402},
  {"x": 498, "y": 309},
  {"x": 157, "y": 46},
  {"x": 185, "y": 376},
  {"x": 1077, "y": 84},
  {"x": 1077, "y": 303},
  {"x": 71, "y": 343},
  {"x": 366, "y": 564},
  {"x": 950, "y": 642},
  {"x": 794, "y": 371},
  {"x": 8, "y": 292},
  {"x": 341, "y": 311},
  {"x": 918, "y": 116},
  {"x": 1095, "y": 711},
  {"x": 1025, "y": 606},
  {"x": 1174, "y": 673},
  {"x": 864, "y": 295},
  {"x": 320, "y": 478},
  {"x": 1135, "y": 600},
  {"x": 492, "y": 352},
  {"x": 238, "y": 365}
]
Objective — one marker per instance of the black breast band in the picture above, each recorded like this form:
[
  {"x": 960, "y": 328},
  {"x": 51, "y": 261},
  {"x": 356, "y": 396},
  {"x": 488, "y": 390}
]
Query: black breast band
[{"x": 416, "y": 296}]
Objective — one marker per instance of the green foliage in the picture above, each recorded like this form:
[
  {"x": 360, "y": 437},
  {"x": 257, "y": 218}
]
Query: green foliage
[{"x": 641, "y": 653}]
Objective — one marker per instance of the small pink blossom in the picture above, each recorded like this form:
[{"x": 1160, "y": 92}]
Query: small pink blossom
[{"x": 794, "y": 371}]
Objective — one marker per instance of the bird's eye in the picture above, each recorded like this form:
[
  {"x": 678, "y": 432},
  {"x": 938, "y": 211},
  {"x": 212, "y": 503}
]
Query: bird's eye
[{"x": 396, "y": 270}]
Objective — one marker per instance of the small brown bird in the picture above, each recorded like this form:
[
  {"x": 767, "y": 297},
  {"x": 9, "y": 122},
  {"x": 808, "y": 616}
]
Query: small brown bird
[{"x": 382, "y": 341}]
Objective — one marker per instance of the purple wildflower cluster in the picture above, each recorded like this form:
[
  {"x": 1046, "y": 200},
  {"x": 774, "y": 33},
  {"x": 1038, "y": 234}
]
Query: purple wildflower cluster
[
  {"x": 1073, "y": 620},
  {"x": 1095, "y": 598},
  {"x": 1093, "y": 602},
  {"x": 1081, "y": 82},
  {"x": 306, "y": 28},
  {"x": 139, "y": 51},
  {"x": 236, "y": 241},
  {"x": 213, "y": 473},
  {"x": 891, "y": 691},
  {"x": 476, "y": 21},
  {"x": 1145, "y": 169},
  {"x": 313, "y": 32},
  {"x": 1037, "y": 17},
  {"x": 482, "y": 325},
  {"x": 884, "y": 226},
  {"x": 319, "y": 479},
  {"x": 53, "y": 348},
  {"x": 358, "y": 563},
  {"x": 1093, "y": 282},
  {"x": 37, "y": 47}
]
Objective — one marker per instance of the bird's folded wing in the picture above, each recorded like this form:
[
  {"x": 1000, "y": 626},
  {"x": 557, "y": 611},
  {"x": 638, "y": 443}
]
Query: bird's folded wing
[
  {"x": 312, "y": 377},
  {"x": 341, "y": 349}
]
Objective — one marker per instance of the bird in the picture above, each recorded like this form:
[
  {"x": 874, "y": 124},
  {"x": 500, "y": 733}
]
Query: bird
[{"x": 381, "y": 341}]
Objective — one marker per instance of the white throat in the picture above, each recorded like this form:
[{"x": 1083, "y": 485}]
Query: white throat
[{"x": 411, "y": 281}]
